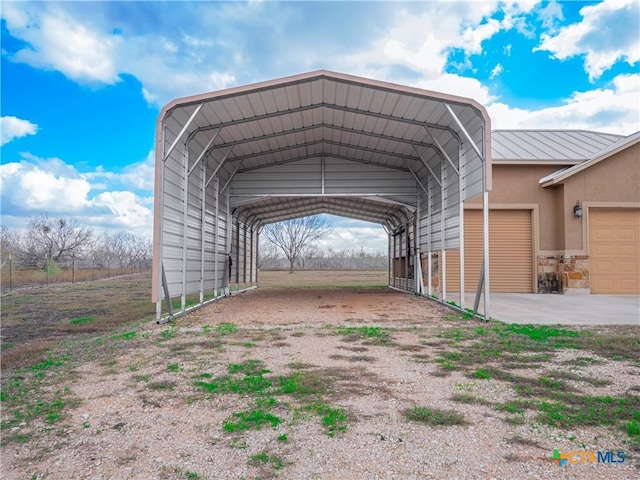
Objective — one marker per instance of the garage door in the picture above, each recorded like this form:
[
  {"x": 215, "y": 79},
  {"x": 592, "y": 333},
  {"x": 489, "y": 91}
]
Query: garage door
[
  {"x": 614, "y": 250},
  {"x": 510, "y": 252}
]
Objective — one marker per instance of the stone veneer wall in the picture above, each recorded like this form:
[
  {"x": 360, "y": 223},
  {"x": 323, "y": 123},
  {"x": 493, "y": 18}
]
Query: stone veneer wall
[
  {"x": 575, "y": 276},
  {"x": 559, "y": 274}
]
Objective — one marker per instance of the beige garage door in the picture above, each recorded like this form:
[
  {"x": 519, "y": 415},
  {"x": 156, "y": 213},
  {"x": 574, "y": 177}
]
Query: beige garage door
[
  {"x": 614, "y": 250},
  {"x": 510, "y": 252}
]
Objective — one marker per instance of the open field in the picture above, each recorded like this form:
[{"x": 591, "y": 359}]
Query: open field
[{"x": 315, "y": 382}]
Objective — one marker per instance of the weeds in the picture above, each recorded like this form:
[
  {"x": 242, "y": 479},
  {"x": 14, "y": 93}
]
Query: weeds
[
  {"x": 224, "y": 329},
  {"x": 81, "y": 320},
  {"x": 434, "y": 416},
  {"x": 250, "y": 420}
]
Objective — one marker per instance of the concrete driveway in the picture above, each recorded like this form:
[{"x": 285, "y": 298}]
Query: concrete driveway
[{"x": 550, "y": 309}]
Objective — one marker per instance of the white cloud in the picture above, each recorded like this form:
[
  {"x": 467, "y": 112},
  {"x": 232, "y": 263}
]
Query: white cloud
[
  {"x": 138, "y": 175},
  {"x": 550, "y": 15},
  {"x": 607, "y": 34},
  {"x": 82, "y": 51},
  {"x": 497, "y": 70},
  {"x": 57, "y": 42},
  {"x": 613, "y": 109},
  {"x": 34, "y": 185},
  {"x": 458, "y": 85},
  {"x": 126, "y": 208},
  {"x": 14, "y": 127},
  {"x": 38, "y": 187}
]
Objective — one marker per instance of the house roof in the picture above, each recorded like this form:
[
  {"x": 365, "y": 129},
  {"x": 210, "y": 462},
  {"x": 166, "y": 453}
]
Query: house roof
[
  {"x": 610, "y": 150},
  {"x": 566, "y": 147}
]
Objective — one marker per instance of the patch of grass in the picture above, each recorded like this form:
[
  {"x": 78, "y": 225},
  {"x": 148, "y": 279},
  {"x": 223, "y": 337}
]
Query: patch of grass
[
  {"x": 250, "y": 420},
  {"x": 206, "y": 329},
  {"x": 434, "y": 416},
  {"x": 305, "y": 383},
  {"x": 81, "y": 320},
  {"x": 168, "y": 333},
  {"x": 249, "y": 384},
  {"x": 632, "y": 428},
  {"x": 516, "y": 406},
  {"x": 225, "y": 329},
  {"x": 482, "y": 374},
  {"x": 262, "y": 459},
  {"x": 538, "y": 333},
  {"x": 334, "y": 420},
  {"x": 124, "y": 336},
  {"x": 283, "y": 438},
  {"x": 297, "y": 365},
  {"x": 589, "y": 410},
  {"x": 248, "y": 367},
  {"x": 26, "y": 401},
  {"x": 375, "y": 335},
  {"x": 469, "y": 399},
  {"x": 353, "y": 358},
  {"x": 455, "y": 334},
  {"x": 173, "y": 367}
]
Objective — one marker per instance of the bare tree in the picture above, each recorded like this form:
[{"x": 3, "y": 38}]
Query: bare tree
[
  {"x": 268, "y": 255},
  {"x": 9, "y": 244},
  {"x": 292, "y": 236},
  {"x": 54, "y": 240}
]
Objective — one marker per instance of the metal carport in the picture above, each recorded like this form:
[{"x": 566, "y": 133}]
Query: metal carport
[{"x": 232, "y": 161}]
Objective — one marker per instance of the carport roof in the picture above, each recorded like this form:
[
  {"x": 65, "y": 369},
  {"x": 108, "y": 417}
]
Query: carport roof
[{"x": 324, "y": 114}]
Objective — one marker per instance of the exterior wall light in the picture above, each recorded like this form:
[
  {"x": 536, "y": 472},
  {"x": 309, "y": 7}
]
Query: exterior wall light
[{"x": 577, "y": 209}]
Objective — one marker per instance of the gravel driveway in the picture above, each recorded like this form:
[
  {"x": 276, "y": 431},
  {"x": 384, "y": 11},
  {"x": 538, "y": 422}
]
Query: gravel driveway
[{"x": 320, "y": 383}]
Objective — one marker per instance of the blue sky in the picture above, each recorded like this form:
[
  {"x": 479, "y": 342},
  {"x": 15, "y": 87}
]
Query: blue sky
[{"x": 83, "y": 82}]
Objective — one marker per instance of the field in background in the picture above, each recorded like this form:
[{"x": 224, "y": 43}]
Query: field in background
[
  {"x": 322, "y": 278},
  {"x": 12, "y": 278}
]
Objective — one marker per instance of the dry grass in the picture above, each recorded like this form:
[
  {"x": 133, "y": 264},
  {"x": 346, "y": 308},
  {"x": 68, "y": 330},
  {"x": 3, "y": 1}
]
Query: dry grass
[{"x": 323, "y": 278}]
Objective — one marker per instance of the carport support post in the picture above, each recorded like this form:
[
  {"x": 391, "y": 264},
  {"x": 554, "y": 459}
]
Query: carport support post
[
  {"x": 202, "y": 229},
  {"x": 237, "y": 254},
  {"x": 461, "y": 227},
  {"x": 442, "y": 231},
  {"x": 216, "y": 230},
  {"x": 395, "y": 236},
  {"x": 407, "y": 244},
  {"x": 485, "y": 221},
  {"x": 430, "y": 232},
  {"x": 229, "y": 232},
  {"x": 389, "y": 257},
  {"x": 185, "y": 216},
  {"x": 244, "y": 249}
]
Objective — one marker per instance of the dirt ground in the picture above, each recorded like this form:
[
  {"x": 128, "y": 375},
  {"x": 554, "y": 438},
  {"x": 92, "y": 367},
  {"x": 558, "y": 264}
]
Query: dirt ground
[{"x": 315, "y": 383}]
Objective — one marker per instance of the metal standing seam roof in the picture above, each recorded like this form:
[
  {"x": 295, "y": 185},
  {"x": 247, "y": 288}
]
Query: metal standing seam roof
[
  {"x": 325, "y": 115},
  {"x": 613, "y": 148},
  {"x": 553, "y": 146}
]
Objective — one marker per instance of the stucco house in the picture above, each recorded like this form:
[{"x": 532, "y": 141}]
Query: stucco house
[{"x": 564, "y": 215}]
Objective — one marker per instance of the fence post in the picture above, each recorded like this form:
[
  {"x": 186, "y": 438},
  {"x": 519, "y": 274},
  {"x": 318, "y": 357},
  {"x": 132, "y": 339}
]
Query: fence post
[
  {"x": 73, "y": 268},
  {"x": 10, "y": 273}
]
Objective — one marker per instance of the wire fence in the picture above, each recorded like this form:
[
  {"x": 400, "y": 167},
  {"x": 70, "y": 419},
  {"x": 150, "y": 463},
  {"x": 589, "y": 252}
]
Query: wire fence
[{"x": 12, "y": 278}]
